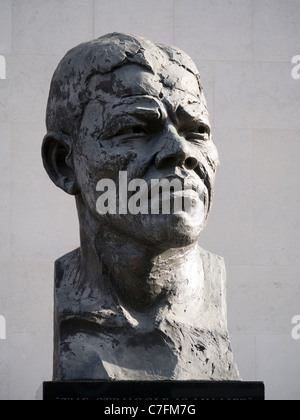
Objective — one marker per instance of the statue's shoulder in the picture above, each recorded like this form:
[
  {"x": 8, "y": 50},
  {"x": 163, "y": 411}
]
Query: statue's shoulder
[
  {"x": 67, "y": 267},
  {"x": 215, "y": 275},
  {"x": 212, "y": 261},
  {"x": 215, "y": 288},
  {"x": 67, "y": 258}
]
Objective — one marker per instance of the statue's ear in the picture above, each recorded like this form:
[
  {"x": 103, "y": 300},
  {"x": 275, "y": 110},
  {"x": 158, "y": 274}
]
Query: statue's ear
[{"x": 56, "y": 154}]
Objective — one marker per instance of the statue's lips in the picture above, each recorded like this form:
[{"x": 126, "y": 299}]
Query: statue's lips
[
  {"x": 187, "y": 188},
  {"x": 186, "y": 195},
  {"x": 187, "y": 199}
]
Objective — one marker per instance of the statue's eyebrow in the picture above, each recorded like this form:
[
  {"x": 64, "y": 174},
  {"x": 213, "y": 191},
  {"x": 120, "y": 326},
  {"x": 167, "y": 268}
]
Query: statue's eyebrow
[
  {"x": 196, "y": 112},
  {"x": 144, "y": 114},
  {"x": 132, "y": 111},
  {"x": 142, "y": 107}
]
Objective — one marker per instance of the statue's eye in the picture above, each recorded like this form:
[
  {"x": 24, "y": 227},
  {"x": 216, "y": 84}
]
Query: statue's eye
[
  {"x": 201, "y": 132},
  {"x": 203, "y": 129},
  {"x": 139, "y": 130},
  {"x": 133, "y": 130}
]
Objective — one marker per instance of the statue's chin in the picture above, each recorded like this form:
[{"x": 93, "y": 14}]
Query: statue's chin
[
  {"x": 182, "y": 230},
  {"x": 163, "y": 231}
]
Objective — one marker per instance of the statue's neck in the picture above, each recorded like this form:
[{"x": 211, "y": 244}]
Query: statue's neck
[
  {"x": 143, "y": 278},
  {"x": 140, "y": 278}
]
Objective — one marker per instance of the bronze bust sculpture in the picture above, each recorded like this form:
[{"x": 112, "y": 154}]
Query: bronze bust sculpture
[{"x": 140, "y": 300}]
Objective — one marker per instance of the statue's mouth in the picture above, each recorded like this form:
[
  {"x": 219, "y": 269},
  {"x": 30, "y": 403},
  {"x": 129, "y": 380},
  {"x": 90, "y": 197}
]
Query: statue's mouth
[{"x": 178, "y": 185}]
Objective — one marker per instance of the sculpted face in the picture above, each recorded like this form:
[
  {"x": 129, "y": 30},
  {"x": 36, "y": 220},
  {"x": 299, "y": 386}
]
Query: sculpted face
[
  {"x": 153, "y": 127},
  {"x": 121, "y": 104}
]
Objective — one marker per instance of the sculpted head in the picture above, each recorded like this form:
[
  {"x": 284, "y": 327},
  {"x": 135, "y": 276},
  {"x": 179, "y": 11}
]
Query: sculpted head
[{"x": 123, "y": 104}]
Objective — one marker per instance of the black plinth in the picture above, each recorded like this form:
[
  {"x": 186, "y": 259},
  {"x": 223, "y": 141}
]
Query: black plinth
[{"x": 152, "y": 391}]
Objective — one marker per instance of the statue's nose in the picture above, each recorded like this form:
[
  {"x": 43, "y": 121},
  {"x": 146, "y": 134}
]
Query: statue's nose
[{"x": 175, "y": 151}]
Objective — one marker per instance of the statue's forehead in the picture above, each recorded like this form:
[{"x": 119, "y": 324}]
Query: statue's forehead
[
  {"x": 133, "y": 88},
  {"x": 134, "y": 80}
]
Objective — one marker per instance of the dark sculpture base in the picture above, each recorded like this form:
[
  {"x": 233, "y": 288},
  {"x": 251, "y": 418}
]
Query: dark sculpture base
[{"x": 152, "y": 391}]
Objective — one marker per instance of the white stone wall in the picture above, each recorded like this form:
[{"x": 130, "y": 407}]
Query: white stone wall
[{"x": 244, "y": 50}]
